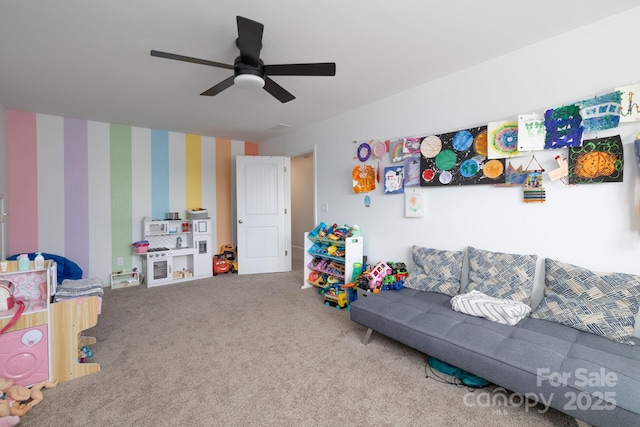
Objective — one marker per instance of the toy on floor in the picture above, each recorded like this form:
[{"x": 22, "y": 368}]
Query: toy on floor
[
  {"x": 229, "y": 254},
  {"x": 7, "y": 420},
  {"x": 20, "y": 398}
]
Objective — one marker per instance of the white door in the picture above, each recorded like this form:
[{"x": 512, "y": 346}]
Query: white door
[{"x": 263, "y": 206}]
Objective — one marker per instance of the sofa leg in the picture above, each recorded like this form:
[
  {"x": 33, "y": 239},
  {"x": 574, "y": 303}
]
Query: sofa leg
[
  {"x": 367, "y": 338},
  {"x": 582, "y": 423}
]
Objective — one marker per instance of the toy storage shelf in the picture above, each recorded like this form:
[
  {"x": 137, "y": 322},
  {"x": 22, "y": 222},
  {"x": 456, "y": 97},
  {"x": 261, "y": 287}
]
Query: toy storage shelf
[
  {"x": 352, "y": 247},
  {"x": 46, "y": 338},
  {"x": 123, "y": 279}
]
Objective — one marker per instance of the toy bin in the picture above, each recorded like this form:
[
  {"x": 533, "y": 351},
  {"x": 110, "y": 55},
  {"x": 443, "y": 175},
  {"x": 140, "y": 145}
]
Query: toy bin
[{"x": 140, "y": 247}]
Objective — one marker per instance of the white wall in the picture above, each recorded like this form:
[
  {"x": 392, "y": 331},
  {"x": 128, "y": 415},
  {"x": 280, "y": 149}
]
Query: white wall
[{"x": 596, "y": 226}]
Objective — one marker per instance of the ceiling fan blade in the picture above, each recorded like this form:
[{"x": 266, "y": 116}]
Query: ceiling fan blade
[
  {"x": 168, "y": 55},
  {"x": 225, "y": 84},
  {"x": 277, "y": 91},
  {"x": 317, "y": 69},
  {"x": 249, "y": 40}
]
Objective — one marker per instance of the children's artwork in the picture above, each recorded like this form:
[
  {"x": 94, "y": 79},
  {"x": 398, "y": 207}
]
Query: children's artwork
[
  {"x": 630, "y": 110},
  {"x": 514, "y": 177},
  {"x": 394, "y": 180},
  {"x": 364, "y": 178},
  {"x": 412, "y": 171},
  {"x": 597, "y": 160},
  {"x": 364, "y": 151},
  {"x": 637, "y": 144},
  {"x": 503, "y": 139},
  {"x": 601, "y": 112},
  {"x": 531, "y": 132},
  {"x": 414, "y": 205},
  {"x": 411, "y": 145},
  {"x": 380, "y": 148},
  {"x": 397, "y": 152},
  {"x": 562, "y": 171},
  {"x": 459, "y": 158},
  {"x": 563, "y": 127},
  {"x": 533, "y": 190}
]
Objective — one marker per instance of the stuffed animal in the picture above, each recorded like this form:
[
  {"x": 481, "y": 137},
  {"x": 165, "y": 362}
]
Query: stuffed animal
[{"x": 21, "y": 399}]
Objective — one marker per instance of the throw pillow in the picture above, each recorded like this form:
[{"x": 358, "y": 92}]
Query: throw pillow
[
  {"x": 604, "y": 304},
  {"x": 501, "y": 275},
  {"x": 435, "y": 271}
]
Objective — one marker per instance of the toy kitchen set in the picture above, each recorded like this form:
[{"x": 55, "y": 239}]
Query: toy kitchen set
[{"x": 175, "y": 250}]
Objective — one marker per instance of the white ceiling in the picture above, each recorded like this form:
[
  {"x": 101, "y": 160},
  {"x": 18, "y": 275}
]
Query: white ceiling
[{"x": 90, "y": 59}]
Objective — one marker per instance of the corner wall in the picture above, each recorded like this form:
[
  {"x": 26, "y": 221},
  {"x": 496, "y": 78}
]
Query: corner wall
[{"x": 596, "y": 226}]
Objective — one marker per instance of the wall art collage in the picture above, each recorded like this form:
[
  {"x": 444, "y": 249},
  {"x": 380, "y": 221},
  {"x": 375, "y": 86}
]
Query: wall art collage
[{"x": 481, "y": 155}]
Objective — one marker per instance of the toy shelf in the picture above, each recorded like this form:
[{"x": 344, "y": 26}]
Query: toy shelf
[
  {"x": 328, "y": 242},
  {"x": 68, "y": 319},
  {"x": 315, "y": 251}
]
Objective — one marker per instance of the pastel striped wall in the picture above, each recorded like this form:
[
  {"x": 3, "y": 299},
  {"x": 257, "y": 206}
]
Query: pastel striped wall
[{"x": 80, "y": 188}]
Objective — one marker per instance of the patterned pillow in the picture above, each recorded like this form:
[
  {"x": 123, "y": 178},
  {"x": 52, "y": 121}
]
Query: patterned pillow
[
  {"x": 435, "y": 271},
  {"x": 601, "y": 303},
  {"x": 500, "y": 275}
]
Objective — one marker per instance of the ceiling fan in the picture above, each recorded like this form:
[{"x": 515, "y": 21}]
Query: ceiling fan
[{"x": 249, "y": 70}]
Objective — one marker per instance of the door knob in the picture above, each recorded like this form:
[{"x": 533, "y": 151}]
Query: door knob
[{"x": 240, "y": 221}]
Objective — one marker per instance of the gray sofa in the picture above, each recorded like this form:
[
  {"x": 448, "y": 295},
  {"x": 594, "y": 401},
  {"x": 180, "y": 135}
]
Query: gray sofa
[{"x": 590, "y": 377}]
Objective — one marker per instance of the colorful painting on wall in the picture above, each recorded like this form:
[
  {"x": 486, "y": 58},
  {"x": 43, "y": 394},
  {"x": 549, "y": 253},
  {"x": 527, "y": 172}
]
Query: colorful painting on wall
[
  {"x": 503, "y": 139},
  {"x": 531, "y": 132},
  {"x": 412, "y": 171},
  {"x": 597, "y": 160},
  {"x": 630, "y": 110},
  {"x": 563, "y": 127},
  {"x": 459, "y": 158},
  {"x": 601, "y": 112},
  {"x": 364, "y": 178},
  {"x": 394, "y": 180}
]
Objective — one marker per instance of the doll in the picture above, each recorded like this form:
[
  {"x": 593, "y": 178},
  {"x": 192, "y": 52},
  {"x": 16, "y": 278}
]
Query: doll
[{"x": 20, "y": 398}]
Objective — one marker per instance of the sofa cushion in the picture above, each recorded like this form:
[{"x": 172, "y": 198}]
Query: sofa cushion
[
  {"x": 601, "y": 303},
  {"x": 501, "y": 275},
  {"x": 436, "y": 270}
]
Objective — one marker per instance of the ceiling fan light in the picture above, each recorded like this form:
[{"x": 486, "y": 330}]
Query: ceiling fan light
[{"x": 249, "y": 81}]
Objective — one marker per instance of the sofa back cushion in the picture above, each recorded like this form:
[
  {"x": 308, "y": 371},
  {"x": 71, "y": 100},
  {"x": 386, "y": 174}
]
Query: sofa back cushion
[
  {"x": 501, "y": 275},
  {"x": 601, "y": 303},
  {"x": 435, "y": 270}
]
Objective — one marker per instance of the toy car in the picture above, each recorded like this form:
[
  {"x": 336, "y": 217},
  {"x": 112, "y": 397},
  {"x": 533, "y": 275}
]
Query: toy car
[
  {"x": 337, "y": 298},
  {"x": 377, "y": 273},
  {"x": 220, "y": 266}
]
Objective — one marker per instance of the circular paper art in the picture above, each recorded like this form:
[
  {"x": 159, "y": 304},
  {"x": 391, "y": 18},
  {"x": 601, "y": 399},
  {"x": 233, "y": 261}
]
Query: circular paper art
[
  {"x": 462, "y": 140},
  {"x": 469, "y": 168},
  {"x": 493, "y": 169},
  {"x": 430, "y": 146},
  {"x": 428, "y": 175},
  {"x": 445, "y": 177},
  {"x": 504, "y": 139},
  {"x": 446, "y": 160},
  {"x": 480, "y": 144},
  {"x": 379, "y": 149},
  {"x": 364, "y": 151}
]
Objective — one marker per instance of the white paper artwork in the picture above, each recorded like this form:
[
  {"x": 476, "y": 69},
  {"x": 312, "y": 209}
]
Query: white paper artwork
[
  {"x": 531, "y": 132},
  {"x": 630, "y": 110},
  {"x": 414, "y": 204}
]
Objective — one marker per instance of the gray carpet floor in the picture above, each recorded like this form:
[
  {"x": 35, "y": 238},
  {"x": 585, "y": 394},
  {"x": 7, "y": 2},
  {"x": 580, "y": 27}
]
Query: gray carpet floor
[{"x": 256, "y": 350}]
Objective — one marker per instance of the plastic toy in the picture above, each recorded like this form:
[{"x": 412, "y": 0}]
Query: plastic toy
[
  {"x": 336, "y": 297},
  {"x": 377, "y": 273},
  {"x": 16, "y": 396},
  {"x": 7, "y": 420},
  {"x": 220, "y": 266},
  {"x": 229, "y": 254}
]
